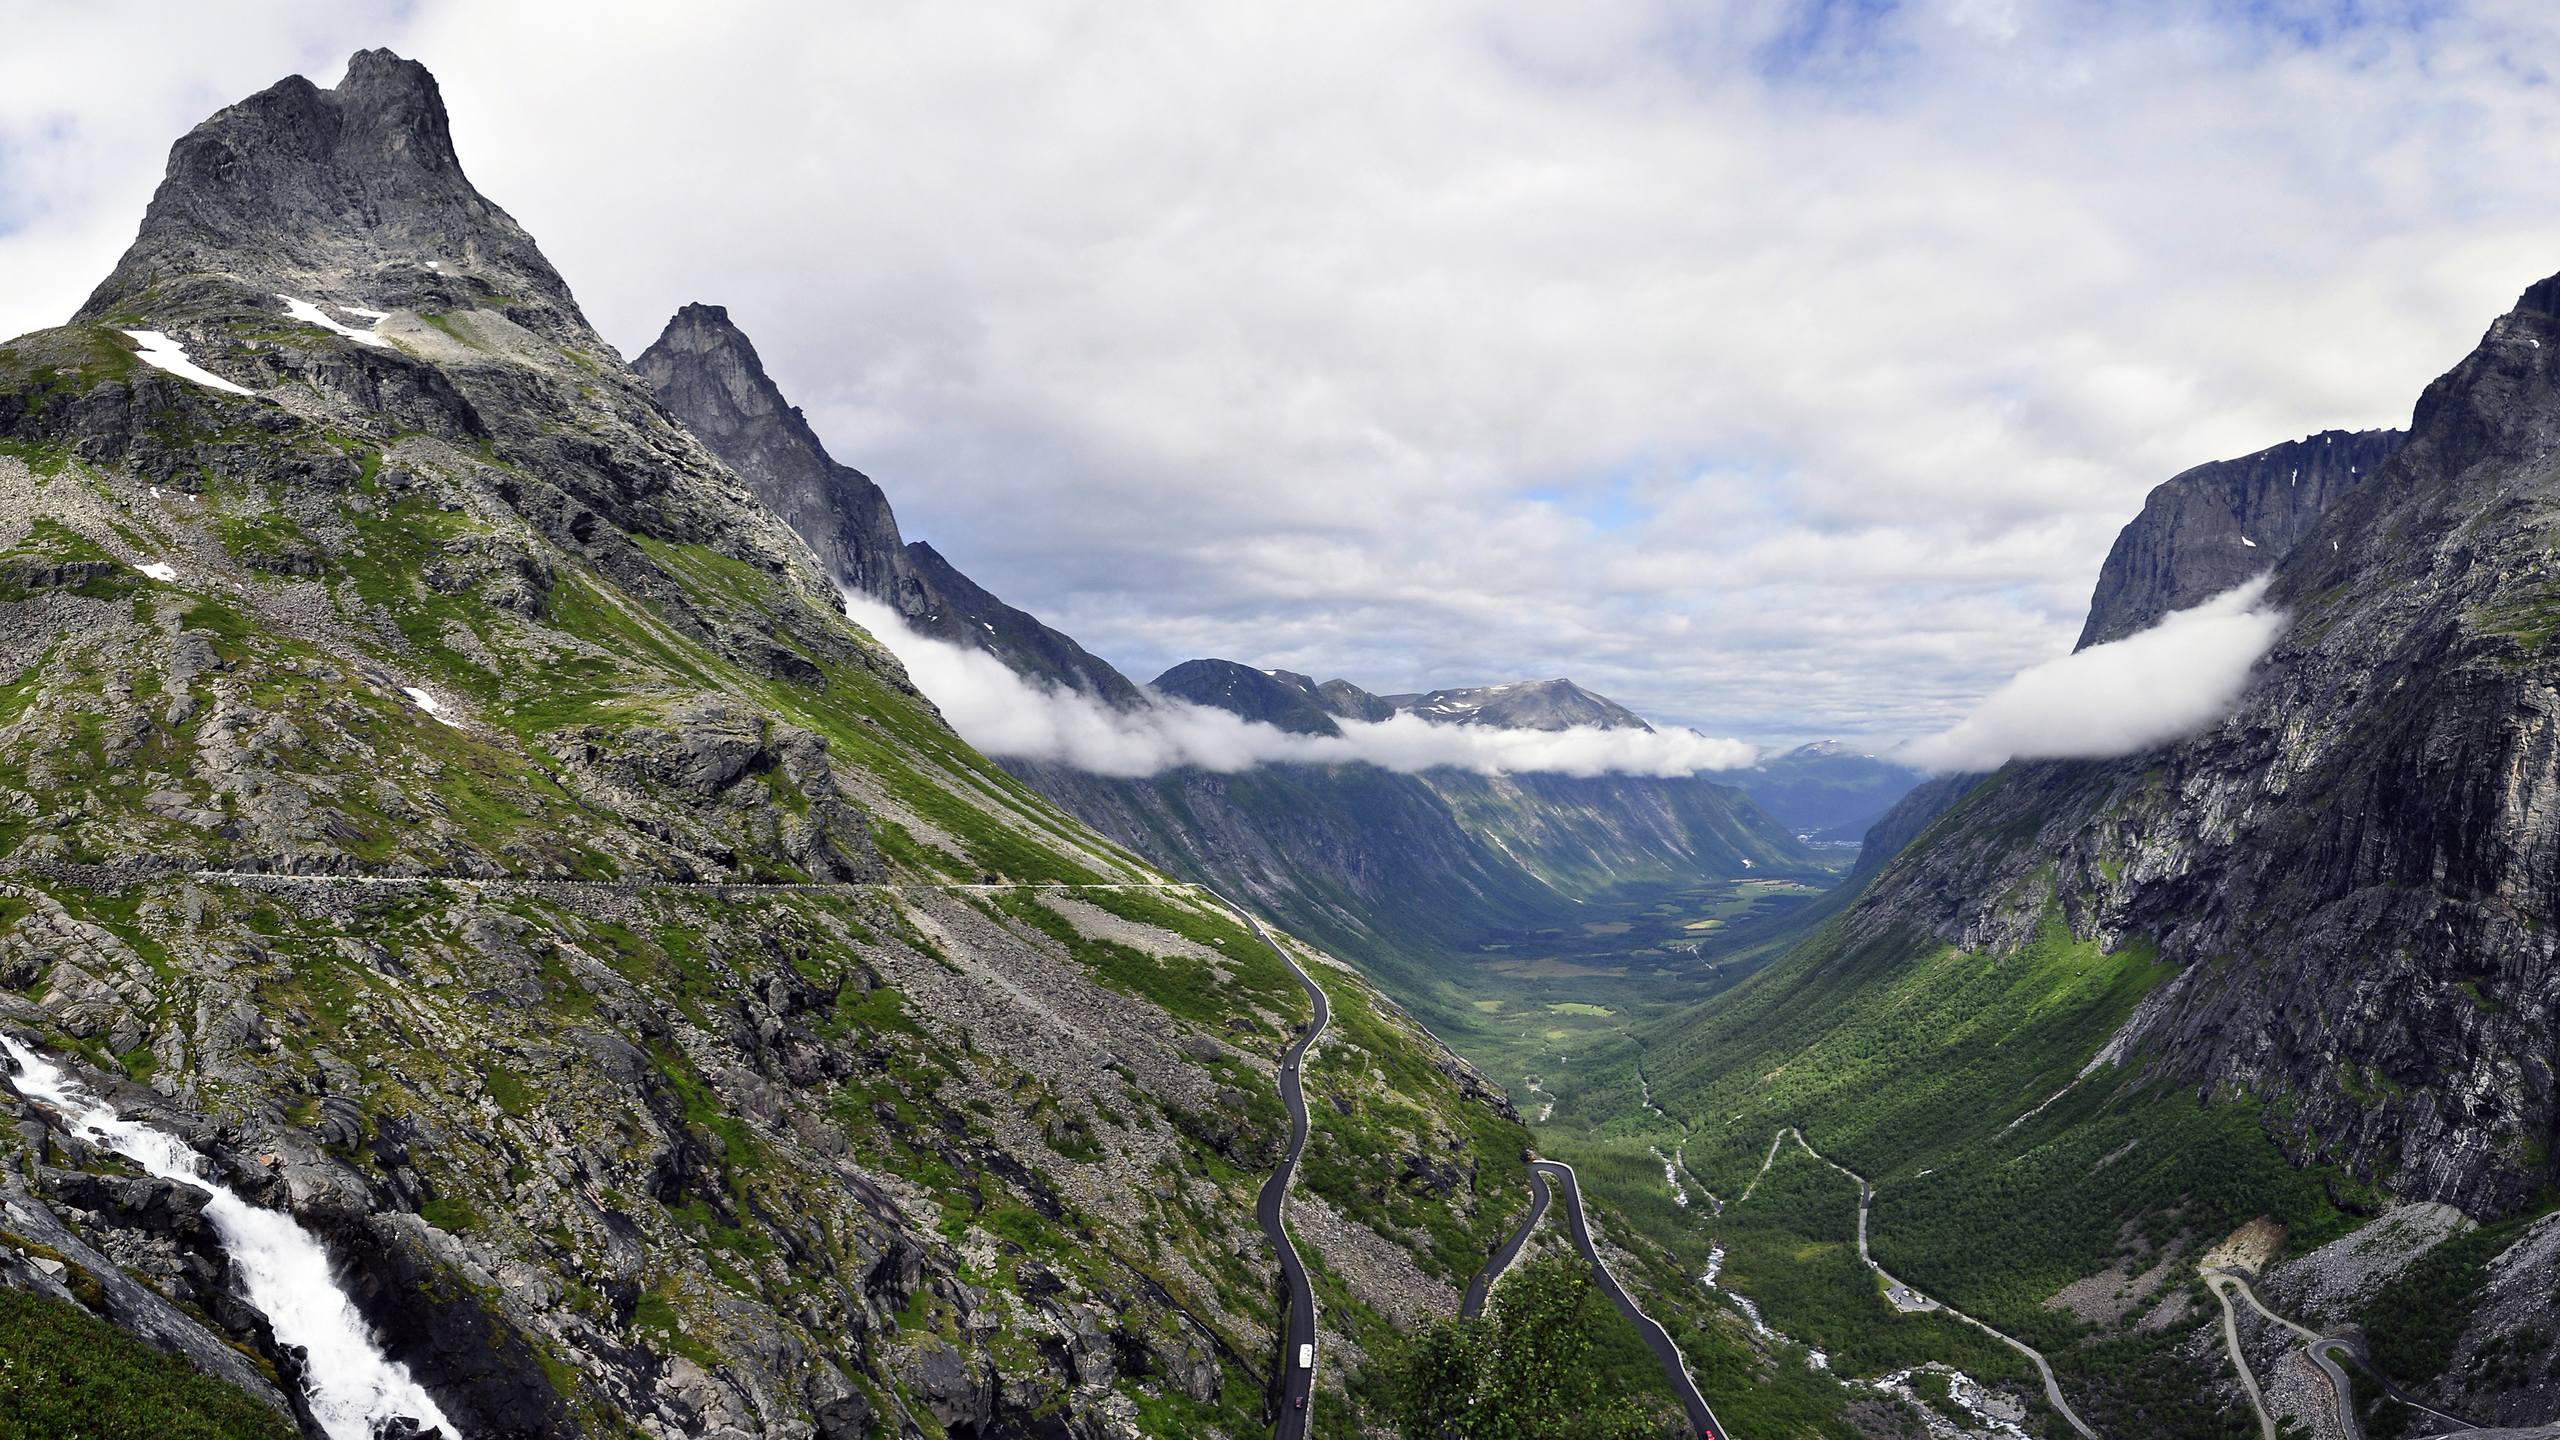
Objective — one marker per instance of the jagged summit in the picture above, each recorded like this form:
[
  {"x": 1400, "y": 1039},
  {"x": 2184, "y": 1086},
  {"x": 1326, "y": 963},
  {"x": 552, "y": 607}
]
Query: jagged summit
[
  {"x": 1274, "y": 697},
  {"x": 706, "y": 370},
  {"x": 1296, "y": 702},
  {"x": 351, "y": 195}
]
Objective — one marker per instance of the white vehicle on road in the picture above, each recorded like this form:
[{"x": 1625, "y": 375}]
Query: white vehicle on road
[{"x": 1306, "y": 1357}]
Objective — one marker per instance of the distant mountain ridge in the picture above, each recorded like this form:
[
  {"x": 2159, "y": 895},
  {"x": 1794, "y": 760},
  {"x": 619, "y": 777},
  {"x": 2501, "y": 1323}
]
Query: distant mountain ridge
[
  {"x": 1280, "y": 698},
  {"x": 1827, "y": 789},
  {"x": 1396, "y": 864},
  {"x": 1519, "y": 705}
]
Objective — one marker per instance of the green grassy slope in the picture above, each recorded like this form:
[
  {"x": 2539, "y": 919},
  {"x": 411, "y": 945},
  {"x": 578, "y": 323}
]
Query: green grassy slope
[
  {"x": 66, "y": 1375},
  {"x": 1923, "y": 1067},
  {"x": 1051, "y": 1099}
]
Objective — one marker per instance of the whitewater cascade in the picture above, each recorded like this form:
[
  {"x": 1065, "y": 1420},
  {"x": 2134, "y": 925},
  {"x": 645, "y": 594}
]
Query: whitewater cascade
[{"x": 355, "y": 1391}]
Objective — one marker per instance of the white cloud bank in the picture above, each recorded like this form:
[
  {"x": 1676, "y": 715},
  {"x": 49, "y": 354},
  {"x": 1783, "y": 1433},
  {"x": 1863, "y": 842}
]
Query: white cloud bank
[
  {"x": 1428, "y": 340},
  {"x": 2163, "y": 684},
  {"x": 1002, "y": 713}
]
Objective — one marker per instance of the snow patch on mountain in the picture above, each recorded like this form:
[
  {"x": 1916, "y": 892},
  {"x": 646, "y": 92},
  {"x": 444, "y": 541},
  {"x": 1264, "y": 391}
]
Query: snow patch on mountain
[{"x": 162, "y": 353}]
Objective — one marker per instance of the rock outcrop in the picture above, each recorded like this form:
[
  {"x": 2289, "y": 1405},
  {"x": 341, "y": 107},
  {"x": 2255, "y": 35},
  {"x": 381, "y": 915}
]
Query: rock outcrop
[{"x": 2205, "y": 530}]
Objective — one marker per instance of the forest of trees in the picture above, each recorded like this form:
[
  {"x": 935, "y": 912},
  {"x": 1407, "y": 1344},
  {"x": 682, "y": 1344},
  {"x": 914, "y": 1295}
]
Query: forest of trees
[{"x": 1527, "y": 1371}]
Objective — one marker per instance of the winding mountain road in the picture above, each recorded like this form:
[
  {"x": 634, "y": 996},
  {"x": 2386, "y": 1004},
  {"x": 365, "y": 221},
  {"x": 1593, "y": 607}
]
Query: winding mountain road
[
  {"x": 1656, "y": 1339},
  {"x": 1904, "y": 1297},
  {"x": 1481, "y": 1287},
  {"x": 2322, "y": 1350},
  {"x": 2220, "y": 1284},
  {"x": 1297, "y": 1382}
]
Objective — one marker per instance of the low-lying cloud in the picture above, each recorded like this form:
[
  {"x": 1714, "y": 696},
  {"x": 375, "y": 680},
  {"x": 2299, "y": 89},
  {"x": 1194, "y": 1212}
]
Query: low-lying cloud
[
  {"x": 1005, "y": 714},
  {"x": 2164, "y": 684}
]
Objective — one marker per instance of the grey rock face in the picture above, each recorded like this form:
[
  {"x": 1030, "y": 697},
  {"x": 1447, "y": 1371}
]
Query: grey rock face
[
  {"x": 961, "y": 611},
  {"x": 706, "y": 372},
  {"x": 2355, "y": 865},
  {"x": 2208, "y": 529}
]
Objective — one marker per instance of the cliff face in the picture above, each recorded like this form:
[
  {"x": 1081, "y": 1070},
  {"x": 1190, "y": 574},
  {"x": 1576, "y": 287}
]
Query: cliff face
[
  {"x": 2354, "y": 871},
  {"x": 2293, "y": 978},
  {"x": 706, "y": 370},
  {"x": 2208, "y": 529},
  {"x": 436, "y": 789}
]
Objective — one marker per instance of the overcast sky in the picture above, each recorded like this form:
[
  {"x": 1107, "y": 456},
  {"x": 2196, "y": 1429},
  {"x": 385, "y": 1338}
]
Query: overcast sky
[{"x": 1780, "y": 369}]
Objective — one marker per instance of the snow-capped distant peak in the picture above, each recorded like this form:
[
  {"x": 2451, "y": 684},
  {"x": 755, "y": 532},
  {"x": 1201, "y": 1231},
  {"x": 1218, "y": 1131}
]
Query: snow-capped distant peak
[
  {"x": 162, "y": 353},
  {"x": 310, "y": 314}
]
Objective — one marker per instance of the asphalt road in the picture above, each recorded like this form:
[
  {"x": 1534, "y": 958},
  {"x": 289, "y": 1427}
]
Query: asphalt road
[
  {"x": 1482, "y": 1286},
  {"x": 1903, "y": 1297},
  {"x": 1297, "y": 1384},
  {"x": 1656, "y": 1339},
  {"x": 2320, "y": 1348},
  {"x": 2220, "y": 1285}
]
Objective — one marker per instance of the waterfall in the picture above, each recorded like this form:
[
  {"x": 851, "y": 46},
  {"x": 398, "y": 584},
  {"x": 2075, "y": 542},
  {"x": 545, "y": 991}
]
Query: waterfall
[{"x": 355, "y": 1391}]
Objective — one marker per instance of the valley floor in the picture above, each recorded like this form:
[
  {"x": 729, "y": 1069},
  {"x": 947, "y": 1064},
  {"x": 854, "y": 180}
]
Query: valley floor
[{"x": 2013, "y": 1250}]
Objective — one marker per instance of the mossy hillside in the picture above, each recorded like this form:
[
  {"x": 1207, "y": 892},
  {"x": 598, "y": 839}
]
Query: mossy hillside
[
  {"x": 801, "y": 1100},
  {"x": 47, "y": 367},
  {"x": 373, "y": 1023},
  {"x": 2416, "y": 1323},
  {"x": 1396, "y": 1143},
  {"x": 416, "y": 535},
  {"x": 67, "y": 1375},
  {"x": 344, "y": 991},
  {"x": 604, "y": 661},
  {"x": 1923, "y": 1066},
  {"x": 1889, "y": 1049}
]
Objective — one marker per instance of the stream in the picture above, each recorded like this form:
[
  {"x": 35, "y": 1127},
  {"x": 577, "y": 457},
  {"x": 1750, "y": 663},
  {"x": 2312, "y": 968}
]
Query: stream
[{"x": 355, "y": 1391}]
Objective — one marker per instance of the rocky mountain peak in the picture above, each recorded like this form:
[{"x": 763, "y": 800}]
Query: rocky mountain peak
[
  {"x": 1274, "y": 697},
  {"x": 706, "y": 371},
  {"x": 349, "y": 195},
  {"x": 1556, "y": 704}
]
